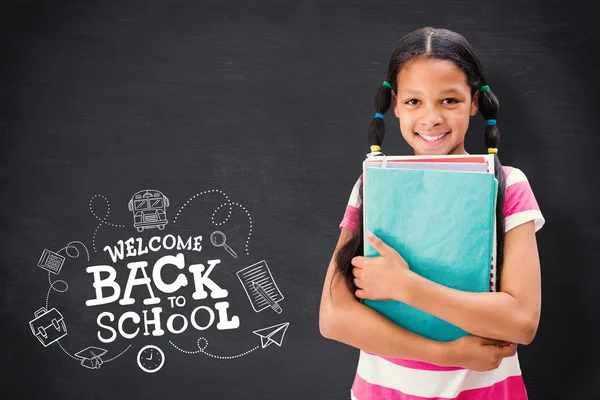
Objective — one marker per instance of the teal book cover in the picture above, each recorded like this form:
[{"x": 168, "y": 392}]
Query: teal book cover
[{"x": 442, "y": 223}]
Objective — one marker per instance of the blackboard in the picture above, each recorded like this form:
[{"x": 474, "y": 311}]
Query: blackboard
[{"x": 250, "y": 119}]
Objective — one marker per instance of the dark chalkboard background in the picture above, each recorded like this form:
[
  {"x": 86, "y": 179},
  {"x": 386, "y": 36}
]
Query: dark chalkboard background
[{"x": 251, "y": 118}]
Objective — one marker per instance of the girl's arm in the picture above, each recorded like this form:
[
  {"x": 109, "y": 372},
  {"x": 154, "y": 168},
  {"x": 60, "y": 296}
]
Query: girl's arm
[
  {"x": 343, "y": 318},
  {"x": 512, "y": 315}
]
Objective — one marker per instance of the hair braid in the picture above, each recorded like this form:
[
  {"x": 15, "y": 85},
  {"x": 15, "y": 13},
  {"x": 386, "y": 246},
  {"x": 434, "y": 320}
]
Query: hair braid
[
  {"x": 383, "y": 100},
  {"x": 489, "y": 108}
]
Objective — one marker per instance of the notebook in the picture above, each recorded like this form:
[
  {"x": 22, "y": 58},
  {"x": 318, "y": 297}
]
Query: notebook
[
  {"x": 441, "y": 221},
  {"x": 469, "y": 162},
  {"x": 260, "y": 275}
]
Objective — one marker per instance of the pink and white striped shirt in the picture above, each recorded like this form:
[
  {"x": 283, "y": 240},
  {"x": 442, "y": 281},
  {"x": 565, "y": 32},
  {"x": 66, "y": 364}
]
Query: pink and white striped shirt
[{"x": 385, "y": 378}]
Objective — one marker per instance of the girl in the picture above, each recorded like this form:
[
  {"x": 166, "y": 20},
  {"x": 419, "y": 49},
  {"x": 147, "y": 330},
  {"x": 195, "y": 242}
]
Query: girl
[{"x": 435, "y": 83}]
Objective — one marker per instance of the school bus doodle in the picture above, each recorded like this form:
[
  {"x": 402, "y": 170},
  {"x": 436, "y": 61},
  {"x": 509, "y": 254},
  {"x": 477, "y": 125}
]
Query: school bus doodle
[
  {"x": 149, "y": 209},
  {"x": 179, "y": 253}
]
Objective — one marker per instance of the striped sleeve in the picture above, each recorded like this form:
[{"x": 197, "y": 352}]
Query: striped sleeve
[
  {"x": 520, "y": 205},
  {"x": 350, "y": 220}
]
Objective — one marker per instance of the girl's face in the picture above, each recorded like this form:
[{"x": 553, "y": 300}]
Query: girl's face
[{"x": 433, "y": 103}]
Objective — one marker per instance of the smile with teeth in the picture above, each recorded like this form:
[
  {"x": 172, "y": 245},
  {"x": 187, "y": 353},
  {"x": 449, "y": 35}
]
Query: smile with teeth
[{"x": 432, "y": 138}]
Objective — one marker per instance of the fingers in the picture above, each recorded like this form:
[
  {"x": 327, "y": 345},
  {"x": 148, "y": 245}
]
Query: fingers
[
  {"x": 501, "y": 348},
  {"x": 500, "y": 353},
  {"x": 378, "y": 244},
  {"x": 508, "y": 351},
  {"x": 358, "y": 261},
  {"x": 357, "y": 273}
]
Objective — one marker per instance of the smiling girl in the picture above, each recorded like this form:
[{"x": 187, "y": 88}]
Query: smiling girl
[{"x": 435, "y": 84}]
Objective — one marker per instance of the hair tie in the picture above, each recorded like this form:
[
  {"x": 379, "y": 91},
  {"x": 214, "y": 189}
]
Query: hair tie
[
  {"x": 484, "y": 88},
  {"x": 379, "y": 115},
  {"x": 375, "y": 148},
  {"x": 491, "y": 122},
  {"x": 492, "y": 150},
  {"x": 386, "y": 83}
]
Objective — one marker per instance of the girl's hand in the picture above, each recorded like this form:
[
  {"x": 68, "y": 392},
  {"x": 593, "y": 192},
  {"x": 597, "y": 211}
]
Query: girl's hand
[
  {"x": 381, "y": 277},
  {"x": 479, "y": 354}
]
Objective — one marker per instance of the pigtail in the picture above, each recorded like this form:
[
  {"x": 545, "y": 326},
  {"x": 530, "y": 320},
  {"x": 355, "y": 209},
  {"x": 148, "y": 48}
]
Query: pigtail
[
  {"x": 383, "y": 100},
  {"x": 354, "y": 247},
  {"x": 444, "y": 45},
  {"x": 489, "y": 108}
]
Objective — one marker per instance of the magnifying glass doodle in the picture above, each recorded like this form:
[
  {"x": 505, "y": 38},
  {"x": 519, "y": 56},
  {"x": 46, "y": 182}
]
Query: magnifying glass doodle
[{"x": 217, "y": 238}]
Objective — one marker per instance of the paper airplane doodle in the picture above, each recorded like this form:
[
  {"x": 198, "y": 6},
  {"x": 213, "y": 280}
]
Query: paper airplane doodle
[
  {"x": 272, "y": 334},
  {"x": 90, "y": 357}
]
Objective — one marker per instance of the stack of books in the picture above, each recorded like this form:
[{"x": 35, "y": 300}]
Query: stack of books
[{"x": 439, "y": 213}]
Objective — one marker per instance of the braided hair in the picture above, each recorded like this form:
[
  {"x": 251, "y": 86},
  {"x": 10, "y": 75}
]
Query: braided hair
[{"x": 441, "y": 44}]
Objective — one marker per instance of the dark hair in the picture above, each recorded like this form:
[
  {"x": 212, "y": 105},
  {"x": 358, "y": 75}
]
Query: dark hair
[{"x": 439, "y": 44}]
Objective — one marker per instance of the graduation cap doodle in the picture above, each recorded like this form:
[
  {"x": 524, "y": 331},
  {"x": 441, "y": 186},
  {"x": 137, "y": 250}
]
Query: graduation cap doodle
[
  {"x": 90, "y": 357},
  {"x": 272, "y": 334}
]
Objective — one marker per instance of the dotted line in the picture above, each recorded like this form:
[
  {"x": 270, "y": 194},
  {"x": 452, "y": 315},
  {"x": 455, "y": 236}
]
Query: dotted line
[
  {"x": 53, "y": 283},
  {"x": 249, "y": 218},
  {"x": 227, "y": 203},
  {"x": 70, "y": 246},
  {"x": 117, "y": 356},
  {"x": 52, "y": 287},
  {"x": 94, "y": 237},
  {"x": 212, "y": 218},
  {"x": 102, "y": 220},
  {"x": 104, "y": 361},
  {"x": 196, "y": 195},
  {"x": 201, "y": 350},
  {"x": 66, "y": 352}
]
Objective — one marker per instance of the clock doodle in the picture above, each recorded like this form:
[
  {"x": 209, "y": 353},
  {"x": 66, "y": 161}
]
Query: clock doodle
[
  {"x": 158, "y": 278},
  {"x": 150, "y": 358}
]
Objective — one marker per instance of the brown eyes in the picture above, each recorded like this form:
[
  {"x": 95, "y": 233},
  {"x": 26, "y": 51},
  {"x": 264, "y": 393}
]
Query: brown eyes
[{"x": 452, "y": 101}]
